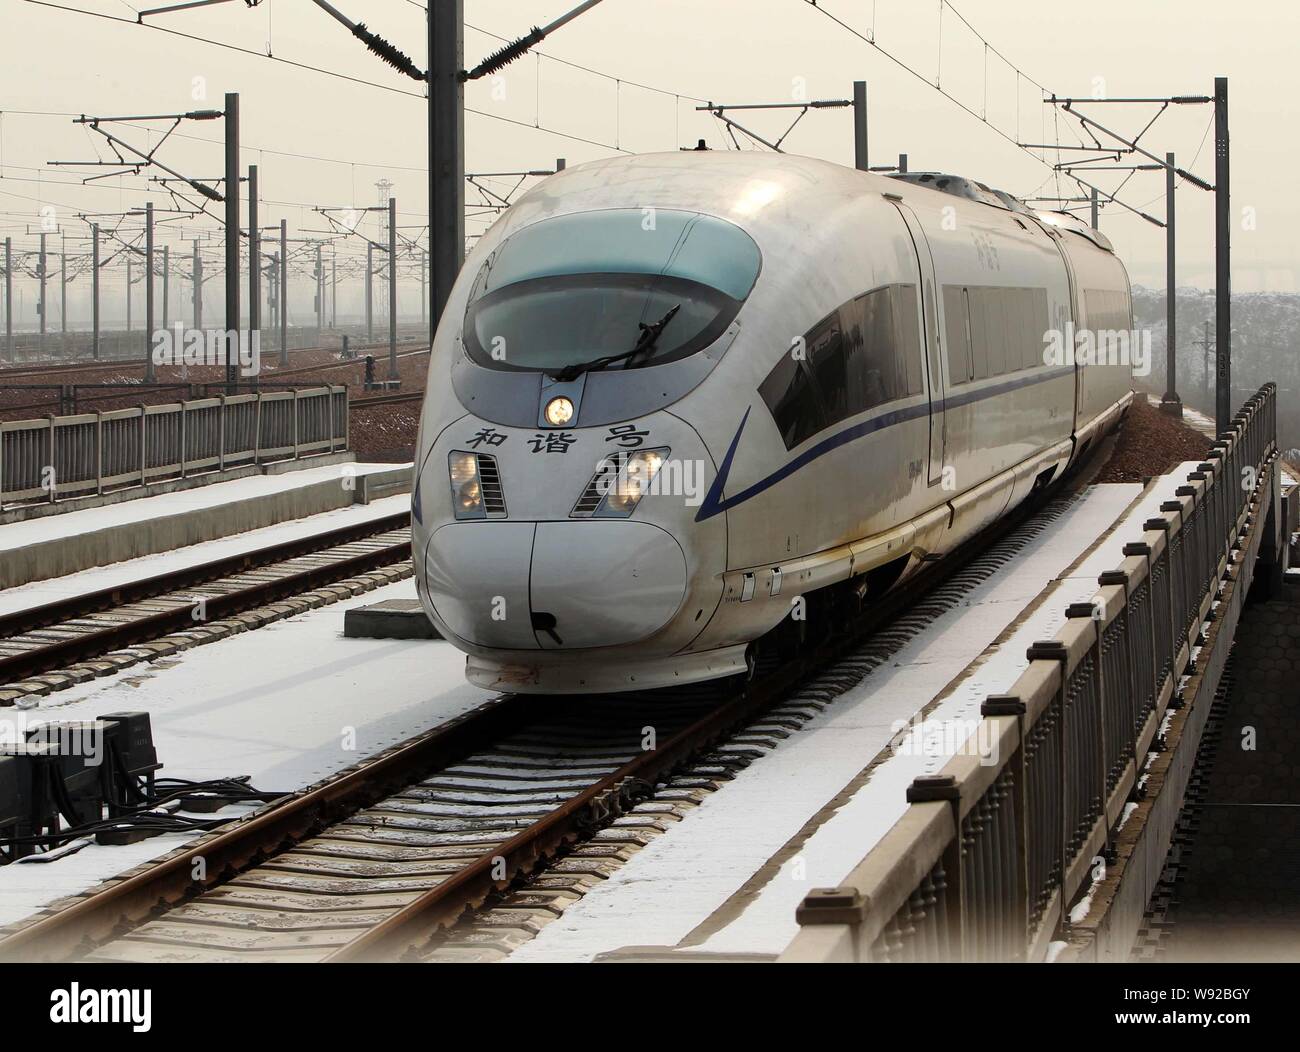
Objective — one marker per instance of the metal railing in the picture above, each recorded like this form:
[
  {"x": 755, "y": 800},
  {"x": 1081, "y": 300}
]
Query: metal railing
[
  {"x": 990, "y": 852},
  {"x": 65, "y": 456}
]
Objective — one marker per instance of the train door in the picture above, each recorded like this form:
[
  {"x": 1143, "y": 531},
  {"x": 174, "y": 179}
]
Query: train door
[
  {"x": 1070, "y": 319},
  {"x": 930, "y": 330}
]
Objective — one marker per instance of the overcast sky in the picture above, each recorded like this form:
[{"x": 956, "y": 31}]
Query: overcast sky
[{"x": 325, "y": 140}]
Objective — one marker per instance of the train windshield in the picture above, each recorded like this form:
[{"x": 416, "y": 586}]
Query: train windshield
[{"x": 610, "y": 289}]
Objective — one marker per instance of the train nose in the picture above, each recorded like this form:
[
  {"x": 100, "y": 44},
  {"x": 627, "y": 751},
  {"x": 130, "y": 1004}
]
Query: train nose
[{"x": 555, "y": 585}]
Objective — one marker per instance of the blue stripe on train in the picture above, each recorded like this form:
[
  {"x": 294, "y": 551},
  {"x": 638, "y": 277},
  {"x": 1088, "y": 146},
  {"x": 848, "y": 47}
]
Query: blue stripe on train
[{"x": 714, "y": 503}]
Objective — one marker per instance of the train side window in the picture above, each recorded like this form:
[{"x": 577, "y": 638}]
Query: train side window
[
  {"x": 1004, "y": 353},
  {"x": 792, "y": 400},
  {"x": 908, "y": 338},
  {"x": 1011, "y": 302},
  {"x": 979, "y": 338},
  {"x": 863, "y": 355},
  {"x": 881, "y": 366},
  {"x": 855, "y": 356},
  {"x": 1019, "y": 322},
  {"x": 826, "y": 361},
  {"x": 1039, "y": 322},
  {"x": 956, "y": 324},
  {"x": 1105, "y": 309}
]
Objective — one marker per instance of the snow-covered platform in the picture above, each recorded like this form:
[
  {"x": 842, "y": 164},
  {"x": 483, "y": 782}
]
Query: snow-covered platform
[
  {"x": 727, "y": 878},
  {"x": 38, "y": 593},
  {"x": 49, "y": 547}
]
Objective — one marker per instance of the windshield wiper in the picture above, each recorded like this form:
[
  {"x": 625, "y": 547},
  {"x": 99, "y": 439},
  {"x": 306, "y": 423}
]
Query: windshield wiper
[{"x": 644, "y": 343}]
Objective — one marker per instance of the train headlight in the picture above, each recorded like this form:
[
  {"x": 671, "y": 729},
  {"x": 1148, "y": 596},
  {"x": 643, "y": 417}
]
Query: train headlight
[
  {"x": 463, "y": 466},
  {"x": 618, "y": 485},
  {"x": 558, "y": 412},
  {"x": 475, "y": 486}
]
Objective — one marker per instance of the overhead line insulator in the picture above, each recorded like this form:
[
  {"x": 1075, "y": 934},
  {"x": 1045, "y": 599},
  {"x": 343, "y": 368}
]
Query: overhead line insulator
[
  {"x": 504, "y": 56},
  {"x": 388, "y": 52}
]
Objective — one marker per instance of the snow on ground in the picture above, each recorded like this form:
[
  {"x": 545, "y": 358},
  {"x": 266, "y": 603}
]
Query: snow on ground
[
  {"x": 729, "y": 876},
  {"x": 37, "y": 593},
  {"x": 74, "y": 523},
  {"x": 275, "y": 703}
]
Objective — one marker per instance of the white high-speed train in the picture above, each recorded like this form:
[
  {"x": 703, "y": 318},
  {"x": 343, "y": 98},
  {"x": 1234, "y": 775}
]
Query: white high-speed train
[{"x": 678, "y": 400}]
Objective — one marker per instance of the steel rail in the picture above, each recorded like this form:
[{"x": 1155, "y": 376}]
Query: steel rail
[
  {"x": 63, "y": 652},
  {"x": 172, "y": 580},
  {"x": 421, "y": 347},
  {"x": 443, "y": 904},
  {"x": 390, "y": 399},
  {"x": 261, "y": 834}
]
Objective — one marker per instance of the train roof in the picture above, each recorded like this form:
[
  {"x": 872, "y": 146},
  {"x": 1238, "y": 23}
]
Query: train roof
[
  {"x": 973, "y": 190},
  {"x": 641, "y": 177}
]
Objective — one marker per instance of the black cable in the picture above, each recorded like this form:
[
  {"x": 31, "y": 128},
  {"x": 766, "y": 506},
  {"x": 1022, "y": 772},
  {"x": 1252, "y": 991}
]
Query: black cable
[{"x": 146, "y": 817}]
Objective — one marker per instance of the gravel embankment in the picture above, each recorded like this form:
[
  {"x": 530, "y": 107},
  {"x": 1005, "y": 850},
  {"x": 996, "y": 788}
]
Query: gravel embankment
[{"x": 1151, "y": 443}]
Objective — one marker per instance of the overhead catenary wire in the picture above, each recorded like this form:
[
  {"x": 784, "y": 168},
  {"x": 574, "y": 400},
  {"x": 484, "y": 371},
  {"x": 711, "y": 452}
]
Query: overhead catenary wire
[
  {"x": 315, "y": 69},
  {"x": 1055, "y": 169},
  {"x": 935, "y": 84}
]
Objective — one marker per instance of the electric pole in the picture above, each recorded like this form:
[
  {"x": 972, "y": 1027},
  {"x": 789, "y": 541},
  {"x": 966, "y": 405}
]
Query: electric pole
[
  {"x": 232, "y": 240},
  {"x": 370, "y": 314},
  {"x": 1222, "y": 261},
  {"x": 63, "y": 293},
  {"x": 254, "y": 262},
  {"x": 284, "y": 294},
  {"x": 1170, "y": 403},
  {"x": 94, "y": 291},
  {"x": 860, "y": 125},
  {"x": 166, "y": 281},
  {"x": 446, "y": 25},
  {"x": 9, "y": 298},
  {"x": 196, "y": 280},
  {"x": 40, "y": 307},
  {"x": 393, "y": 374},
  {"x": 148, "y": 292},
  {"x": 320, "y": 293}
]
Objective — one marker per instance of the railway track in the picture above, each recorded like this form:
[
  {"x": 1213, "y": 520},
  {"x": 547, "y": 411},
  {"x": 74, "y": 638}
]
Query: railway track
[
  {"x": 413, "y": 349},
  {"x": 387, "y": 399},
  {"x": 59, "y": 369},
  {"x": 373, "y": 863},
  {"x": 14, "y": 372},
  {"x": 74, "y": 631}
]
